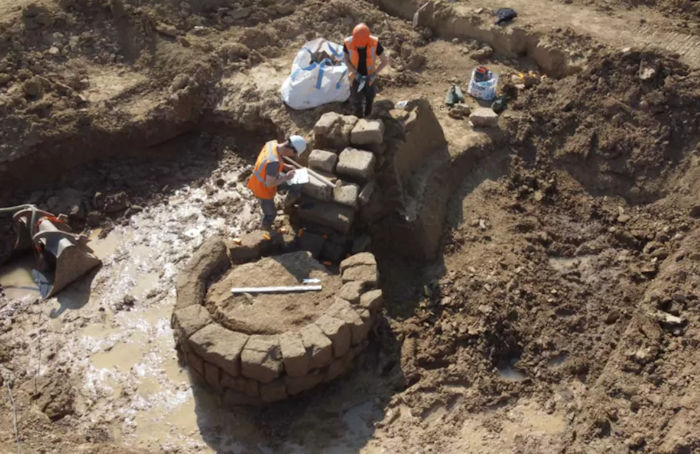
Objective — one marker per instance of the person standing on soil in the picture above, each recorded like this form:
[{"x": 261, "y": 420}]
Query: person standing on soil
[
  {"x": 361, "y": 51},
  {"x": 269, "y": 174}
]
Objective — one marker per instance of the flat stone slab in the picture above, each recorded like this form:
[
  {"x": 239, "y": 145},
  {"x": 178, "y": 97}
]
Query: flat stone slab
[
  {"x": 220, "y": 346},
  {"x": 363, "y": 258},
  {"x": 317, "y": 189},
  {"x": 346, "y": 193},
  {"x": 484, "y": 117},
  {"x": 333, "y": 215},
  {"x": 272, "y": 313},
  {"x": 356, "y": 163}
]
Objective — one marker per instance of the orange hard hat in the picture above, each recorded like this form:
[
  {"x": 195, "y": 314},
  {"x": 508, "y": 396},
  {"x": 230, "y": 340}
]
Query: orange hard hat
[{"x": 360, "y": 35}]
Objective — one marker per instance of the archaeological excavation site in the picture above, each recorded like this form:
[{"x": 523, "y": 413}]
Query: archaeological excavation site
[{"x": 320, "y": 226}]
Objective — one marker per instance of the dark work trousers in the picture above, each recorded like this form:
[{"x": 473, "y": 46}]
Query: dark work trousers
[{"x": 362, "y": 102}]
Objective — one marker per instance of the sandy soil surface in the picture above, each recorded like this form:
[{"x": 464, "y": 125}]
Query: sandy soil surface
[{"x": 560, "y": 316}]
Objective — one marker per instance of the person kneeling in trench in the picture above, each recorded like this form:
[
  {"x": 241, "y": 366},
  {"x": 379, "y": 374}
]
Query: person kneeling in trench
[
  {"x": 361, "y": 51},
  {"x": 269, "y": 173}
]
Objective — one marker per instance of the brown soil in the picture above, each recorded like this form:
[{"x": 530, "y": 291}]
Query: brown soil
[
  {"x": 560, "y": 316},
  {"x": 272, "y": 313}
]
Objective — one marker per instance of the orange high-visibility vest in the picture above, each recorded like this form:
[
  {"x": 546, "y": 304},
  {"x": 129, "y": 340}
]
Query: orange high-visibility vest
[
  {"x": 355, "y": 55},
  {"x": 256, "y": 183}
]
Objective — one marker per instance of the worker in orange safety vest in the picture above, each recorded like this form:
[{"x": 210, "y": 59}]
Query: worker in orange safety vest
[
  {"x": 269, "y": 173},
  {"x": 361, "y": 51}
]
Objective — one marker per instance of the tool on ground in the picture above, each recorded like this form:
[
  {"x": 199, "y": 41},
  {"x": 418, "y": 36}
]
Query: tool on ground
[
  {"x": 454, "y": 96},
  {"x": 280, "y": 289},
  {"x": 61, "y": 256},
  {"x": 311, "y": 281},
  {"x": 311, "y": 172}
]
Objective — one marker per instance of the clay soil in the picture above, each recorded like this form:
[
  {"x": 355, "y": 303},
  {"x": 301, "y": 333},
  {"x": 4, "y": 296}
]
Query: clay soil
[{"x": 561, "y": 314}]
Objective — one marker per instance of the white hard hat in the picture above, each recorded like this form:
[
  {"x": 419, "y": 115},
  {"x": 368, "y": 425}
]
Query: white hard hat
[{"x": 298, "y": 143}]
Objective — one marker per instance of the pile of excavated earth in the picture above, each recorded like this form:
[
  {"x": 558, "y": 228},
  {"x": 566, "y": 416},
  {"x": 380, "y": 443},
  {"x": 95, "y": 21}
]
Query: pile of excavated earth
[{"x": 522, "y": 281}]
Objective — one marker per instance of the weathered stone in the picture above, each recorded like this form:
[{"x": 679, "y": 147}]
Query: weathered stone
[
  {"x": 484, "y": 117},
  {"x": 367, "y": 132},
  {"x": 459, "y": 111},
  {"x": 220, "y": 346},
  {"x": 366, "y": 193},
  {"x": 191, "y": 283},
  {"x": 351, "y": 291},
  {"x": 195, "y": 363},
  {"x": 188, "y": 320},
  {"x": 325, "y": 124},
  {"x": 337, "y": 331},
  {"x": 296, "y": 361},
  {"x": 346, "y": 193},
  {"x": 337, "y": 217},
  {"x": 363, "y": 258},
  {"x": 254, "y": 245},
  {"x": 296, "y": 385},
  {"x": 212, "y": 374},
  {"x": 318, "y": 347},
  {"x": 240, "y": 384},
  {"x": 372, "y": 300},
  {"x": 323, "y": 160},
  {"x": 343, "y": 310},
  {"x": 261, "y": 358},
  {"x": 356, "y": 163},
  {"x": 273, "y": 391},
  {"x": 363, "y": 273},
  {"x": 317, "y": 189}
]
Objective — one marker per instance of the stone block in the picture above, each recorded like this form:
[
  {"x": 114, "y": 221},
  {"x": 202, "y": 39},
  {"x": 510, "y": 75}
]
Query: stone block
[
  {"x": 356, "y": 164},
  {"x": 296, "y": 385},
  {"x": 484, "y": 117},
  {"x": 296, "y": 361},
  {"x": 325, "y": 124},
  {"x": 337, "y": 217},
  {"x": 351, "y": 291},
  {"x": 343, "y": 310},
  {"x": 363, "y": 258},
  {"x": 240, "y": 384},
  {"x": 372, "y": 300},
  {"x": 212, "y": 374},
  {"x": 317, "y": 189},
  {"x": 346, "y": 193},
  {"x": 311, "y": 242},
  {"x": 196, "y": 364},
  {"x": 366, "y": 193},
  {"x": 220, "y": 346},
  {"x": 261, "y": 358},
  {"x": 273, "y": 391},
  {"x": 362, "y": 273},
  {"x": 318, "y": 347},
  {"x": 337, "y": 331},
  {"x": 367, "y": 132},
  {"x": 323, "y": 160},
  {"x": 337, "y": 368},
  {"x": 191, "y": 283},
  {"x": 188, "y": 320},
  {"x": 254, "y": 245}
]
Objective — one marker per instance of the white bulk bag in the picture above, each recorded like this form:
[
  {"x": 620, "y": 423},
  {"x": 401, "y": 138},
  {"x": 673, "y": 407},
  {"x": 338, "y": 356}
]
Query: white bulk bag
[
  {"x": 485, "y": 90},
  {"x": 312, "y": 84}
]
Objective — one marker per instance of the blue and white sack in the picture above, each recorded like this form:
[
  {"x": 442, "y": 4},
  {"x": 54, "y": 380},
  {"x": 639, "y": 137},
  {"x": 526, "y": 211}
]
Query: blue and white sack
[
  {"x": 486, "y": 89},
  {"x": 311, "y": 83}
]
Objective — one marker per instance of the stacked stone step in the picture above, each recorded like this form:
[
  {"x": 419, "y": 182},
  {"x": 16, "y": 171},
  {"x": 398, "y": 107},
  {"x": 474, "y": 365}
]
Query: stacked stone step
[
  {"x": 345, "y": 153},
  {"x": 256, "y": 369}
]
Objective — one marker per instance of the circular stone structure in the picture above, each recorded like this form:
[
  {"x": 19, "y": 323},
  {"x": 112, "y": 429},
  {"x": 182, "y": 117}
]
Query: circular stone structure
[{"x": 266, "y": 347}]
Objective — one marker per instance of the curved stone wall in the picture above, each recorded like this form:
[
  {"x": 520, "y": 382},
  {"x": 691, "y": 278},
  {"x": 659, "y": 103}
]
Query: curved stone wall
[{"x": 254, "y": 368}]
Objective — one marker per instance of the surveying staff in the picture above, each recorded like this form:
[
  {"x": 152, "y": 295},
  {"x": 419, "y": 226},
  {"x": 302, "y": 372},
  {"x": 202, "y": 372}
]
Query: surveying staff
[
  {"x": 360, "y": 52},
  {"x": 268, "y": 174}
]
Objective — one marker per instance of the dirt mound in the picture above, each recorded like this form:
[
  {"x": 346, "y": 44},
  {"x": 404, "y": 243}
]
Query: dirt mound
[{"x": 619, "y": 125}]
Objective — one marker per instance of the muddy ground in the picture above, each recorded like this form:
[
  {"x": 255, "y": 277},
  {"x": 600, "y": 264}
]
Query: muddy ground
[{"x": 561, "y": 314}]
